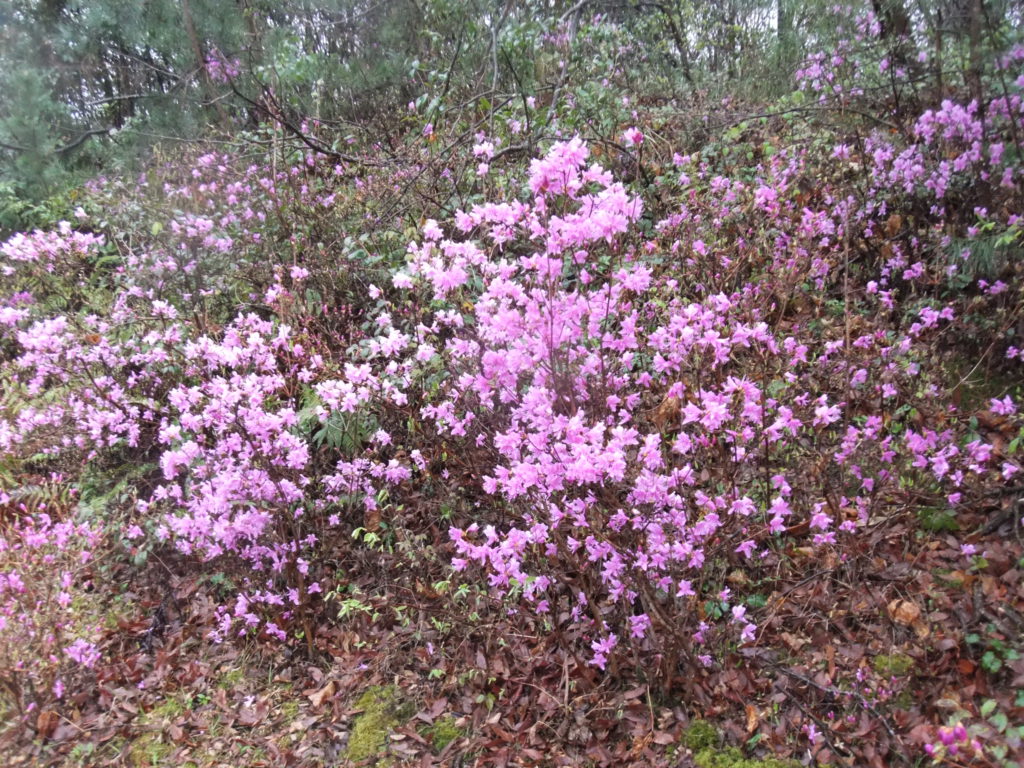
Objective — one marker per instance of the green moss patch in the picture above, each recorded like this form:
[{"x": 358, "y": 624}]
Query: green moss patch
[
  {"x": 441, "y": 733},
  {"x": 702, "y": 738},
  {"x": 731, "y": 757},
  {"x": 149, "y": 750},
  {"x": 171, "y": 709},
  {"x": 700, "y": 735},
  {"x": 290, "y": 710},
  {"x": 149, "y": 747},
  {"x": 895, "y": 665},
  {"x": 383, "y": 711},
  {"x": 231, "y": 679}
]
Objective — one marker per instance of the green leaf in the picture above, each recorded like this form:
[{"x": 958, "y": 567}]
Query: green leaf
[
  {"x": 988, "y": 708},
  {"x": 999, "y": 720}
]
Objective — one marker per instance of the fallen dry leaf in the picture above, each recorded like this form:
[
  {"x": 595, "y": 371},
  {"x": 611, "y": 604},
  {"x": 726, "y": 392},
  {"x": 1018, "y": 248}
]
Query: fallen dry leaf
[
  {"x": 795, "y": 643},
  {"x": 318, "y": 697},
  {"x": 250, "y": 716},
  {"x": 46, "y": 722},
  {"x": 664, "y": 738},
  {"x": 753, "y": 719},
  {"x": 666, "y": 413},
  {"x": 904, "y": 612}
]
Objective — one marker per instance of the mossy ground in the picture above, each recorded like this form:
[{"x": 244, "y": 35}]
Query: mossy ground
[
  {"x": 700, "y": 735},
  {"x": 732, "y": 757},
  {"x": 383, "y": 709},
  {"x": 149, "y": 749},
  {"x": 231, "y": 679},
  {"x": 893, "y": 665},
  {"x": 442, "y": 733},
  {"x": 170, "y": 709},
  {"x": 290, "y": 709},
  {"x": 702, "y": 738}
]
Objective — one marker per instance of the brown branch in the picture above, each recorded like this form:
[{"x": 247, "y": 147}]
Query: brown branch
[
  {"x": 81, "y": 139},
  {"x": 276, "y": 114},
  {"x": 78, "y": 141},
  {"x": 812, "y": 108}
]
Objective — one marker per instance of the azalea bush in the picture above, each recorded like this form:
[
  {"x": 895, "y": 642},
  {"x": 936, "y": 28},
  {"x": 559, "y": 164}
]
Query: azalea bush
[
  {"x": 632, "y": 438},
  {"x": 623, "y": 391},
  {"x": 49, "y": 612}
]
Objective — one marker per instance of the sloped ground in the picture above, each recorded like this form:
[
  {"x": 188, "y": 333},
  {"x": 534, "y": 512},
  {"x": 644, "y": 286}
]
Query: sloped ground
[
  {"x": 882, "y": 649},
  {"x": 863, "y": 285}
]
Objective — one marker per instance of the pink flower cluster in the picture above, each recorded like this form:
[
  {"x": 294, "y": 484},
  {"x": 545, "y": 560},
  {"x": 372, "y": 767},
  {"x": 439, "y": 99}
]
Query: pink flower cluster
[
  {"x": 559, "y": 342},
  {"x": 49, "y": 250},
  {"x": 643, "y": 405},
  {"x": 44, "y": 575}
]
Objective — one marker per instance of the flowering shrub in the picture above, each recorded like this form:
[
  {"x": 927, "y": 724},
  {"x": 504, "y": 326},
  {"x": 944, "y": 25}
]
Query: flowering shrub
[
  {"x": 33, "y": 262},
  {"x": 49, "y": 251},
  {"x": 233, "y": 467},
  {"x": 640, "y": 437},
  {"x": 213, "y": 410},
  {"x": 47, "y": 613},
  {"x": 230, "y": 460},
  {"x": 652, "y": 405},
  {"x": 994, "y": 741}
]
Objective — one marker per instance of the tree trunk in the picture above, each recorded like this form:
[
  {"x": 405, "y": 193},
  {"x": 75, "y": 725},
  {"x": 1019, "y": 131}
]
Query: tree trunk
[
  {"x": 204, "y": 73},
  {"x": 974, "y": 65}
]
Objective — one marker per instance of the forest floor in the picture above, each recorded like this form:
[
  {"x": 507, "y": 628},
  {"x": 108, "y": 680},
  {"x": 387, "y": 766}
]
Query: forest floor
[{"x": 403, "y": 679}]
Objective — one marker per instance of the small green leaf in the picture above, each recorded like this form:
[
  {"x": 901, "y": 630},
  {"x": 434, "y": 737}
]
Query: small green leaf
[
  {"x": 988, "y": 708},
  {"x": 999, "y": 720}
]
